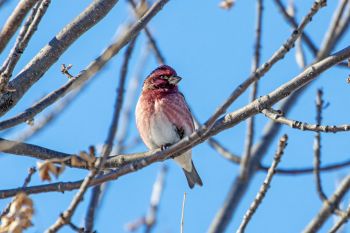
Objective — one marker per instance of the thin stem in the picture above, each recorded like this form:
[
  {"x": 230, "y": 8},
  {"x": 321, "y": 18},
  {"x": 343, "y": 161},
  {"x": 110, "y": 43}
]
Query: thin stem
[
  {"x": 277, "y": 116},
  {"x": 14, "y": 21},
  {"x": 265, "y": 186},
  {"x": 225, "y": 122},
  {"x": 183, "y": 214},
  {"x": 107, "y": 147},
  {"x": 317, "y": 147},
  {"x": 328, "y": 207},
  {"x": 25, "y": 35},
  {"x": 253, "y": 94},
  {"x": 152, "y": 41}
]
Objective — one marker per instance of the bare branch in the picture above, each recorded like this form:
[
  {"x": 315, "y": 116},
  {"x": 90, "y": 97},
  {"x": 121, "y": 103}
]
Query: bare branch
[
  {"x": 187, "y": 143},
  {"x": 90, "y": 71},
  {"x": 265, "y": 186},
  {"x": 330, "y": 36},
  {"x": 51, "y": 52},
  {"x": 152, "y": 41},
  {"x": 253, "y": 94},
  {"x": 343, "y": 219},
  {"x": 277, "y": 56},
  {"x": 14, "y": 21},
  {"x": 108, "y": 145},
  {"x": 25, "y": 35},
  {"x": 183, "y": 214},
  {"x": 66, "y": 216},
  {"x": 344, "y": 25},
  {"x": 328, "y": 207},
  {"x": 309, "y": 170},
  {"x": 317, "y": 147},
  {"x": 277, "y": 116},
  {"x": 150, "y": 219},
  {"x": 280, "y": 171},
  {"x": 31, "y": 171},
  {"x": 27, "y": 180},
  {"x": 292, "y": 21},
  {"x": 224, "y": 152}
]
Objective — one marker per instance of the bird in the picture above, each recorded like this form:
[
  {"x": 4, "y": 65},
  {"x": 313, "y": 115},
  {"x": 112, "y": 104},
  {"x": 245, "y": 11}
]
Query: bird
[{"x": 164, "y": 118}]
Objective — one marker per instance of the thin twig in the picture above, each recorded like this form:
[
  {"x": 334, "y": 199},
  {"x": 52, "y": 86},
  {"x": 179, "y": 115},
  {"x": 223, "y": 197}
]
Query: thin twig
[
  {"x": 292, "y": 21},
  {"x": 265, "y": 186},
  {"x": 27, "y": 180},
  {"x": 277, "y": 116},
  {"x": 224, "y": 152},
  {"x": 126, "y": 117},
  {"x": 86, "y": 74},
  {"x": 108, "y": 146},
  {"x": 100, "y": 163},
  {"x": 150, "y": 219},
  {"x": 14, "y": 21},
  {"x": 328, "y": 207},
  {"x": 50, "y": 53},
  {"x": 24, "y": 36},
  {"x": 239, "y": 186},
  {"x": 255, "y": 76},
  {"x": 76, "y": 228},
  {"x": 308, "y": 170},
  {"x": 317, "y": 147},
  {"x": 331, "y": 36},
  {"x": 343, "y": 219},
  {"x": 183, "y": 214},
  {"x": 152, "y": 41},
  {"x": 31, "y": 171},
  {"x": 344, "y": 24},
  {"x": 229, "y": 120},
  {"x": 253, "y": 93}
]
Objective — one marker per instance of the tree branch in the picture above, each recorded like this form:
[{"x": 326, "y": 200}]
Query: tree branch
[
  {"x": 328, "y": 207},
  {"x": 24, "y": 36},
  {"x": 277, "y": 116},
  {"x": 14, "y": 21},
  {"x": 188, "y": 142},
  {"x": 37, "y": 67},
  {"x": 265, "y": 186},
  {"x": 253, "y": 94},
  {"x": 108, "y": 145}
]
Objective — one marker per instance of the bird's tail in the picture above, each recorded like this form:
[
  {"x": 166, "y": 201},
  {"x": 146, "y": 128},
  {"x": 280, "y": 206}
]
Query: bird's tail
[{"x": 193, "y": 177}]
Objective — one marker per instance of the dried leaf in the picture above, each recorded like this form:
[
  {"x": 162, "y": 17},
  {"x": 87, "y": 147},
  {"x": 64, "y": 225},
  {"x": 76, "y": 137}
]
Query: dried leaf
[
  {"x": 48, "y": 167},
  {"x": 19, "y": 216},
  {"x": 226, "y": 4},
  {"x": 90, "y": 159},
  {"x": 76, "y": 162},
  {"x": 44, "y": 171}
]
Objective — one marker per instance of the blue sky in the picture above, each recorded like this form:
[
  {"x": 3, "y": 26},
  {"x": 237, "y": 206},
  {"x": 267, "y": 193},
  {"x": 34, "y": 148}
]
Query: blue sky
[{"x": 212, "y": 50}]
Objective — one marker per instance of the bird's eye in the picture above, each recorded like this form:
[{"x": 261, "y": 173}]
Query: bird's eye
[{"x": 164, "y": 77}]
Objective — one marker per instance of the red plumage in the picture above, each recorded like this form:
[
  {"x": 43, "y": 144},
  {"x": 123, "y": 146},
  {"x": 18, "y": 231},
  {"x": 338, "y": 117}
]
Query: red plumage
[{"x": 163, "y": 117}]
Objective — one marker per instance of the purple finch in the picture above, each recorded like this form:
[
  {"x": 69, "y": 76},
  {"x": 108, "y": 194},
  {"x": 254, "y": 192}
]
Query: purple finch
[{"x": 163, "y": 117}]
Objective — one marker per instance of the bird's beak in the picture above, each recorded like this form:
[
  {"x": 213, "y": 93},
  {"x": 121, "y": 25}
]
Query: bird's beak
[{"x": 174, "y": 80}]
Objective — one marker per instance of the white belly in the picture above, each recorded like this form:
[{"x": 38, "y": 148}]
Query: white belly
[{"x": 162, "y": 130}]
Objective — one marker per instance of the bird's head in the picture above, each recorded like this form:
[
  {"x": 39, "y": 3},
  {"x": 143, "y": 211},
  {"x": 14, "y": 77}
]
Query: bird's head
[{"x": 164, "y": 77}]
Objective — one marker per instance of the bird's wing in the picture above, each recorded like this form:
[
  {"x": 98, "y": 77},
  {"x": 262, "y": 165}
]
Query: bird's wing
[{"x": 179, "y": 114}]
